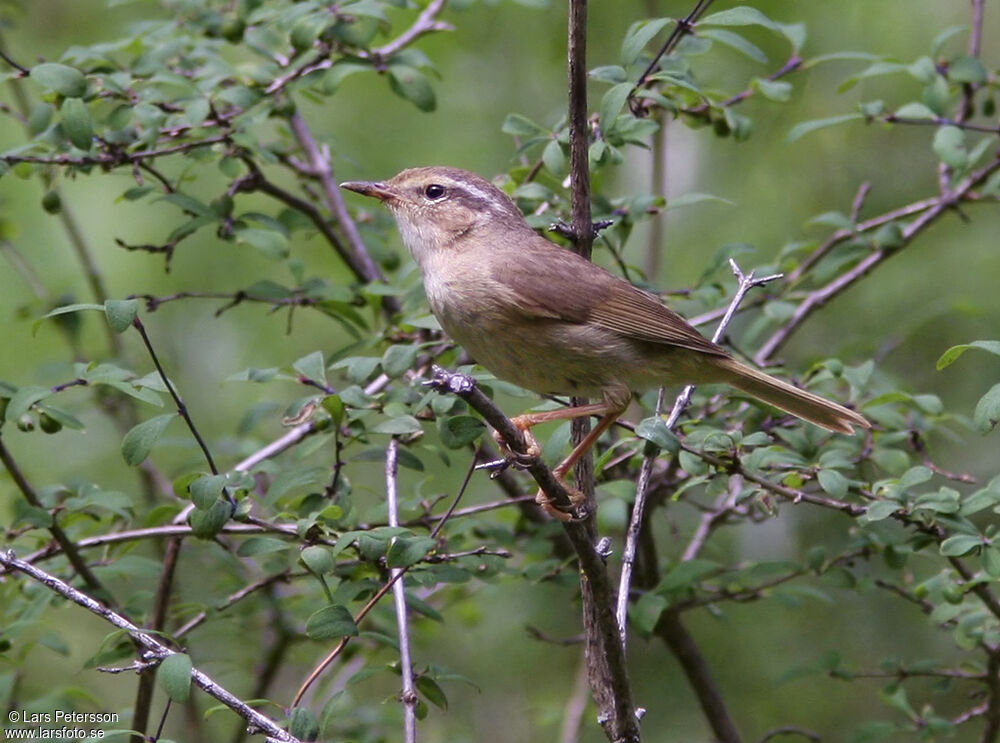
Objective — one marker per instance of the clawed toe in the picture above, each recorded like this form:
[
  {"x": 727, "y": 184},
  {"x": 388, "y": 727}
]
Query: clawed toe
[
  {"x": 521, "y": 460},
  {"x": 572, "y": 512}
]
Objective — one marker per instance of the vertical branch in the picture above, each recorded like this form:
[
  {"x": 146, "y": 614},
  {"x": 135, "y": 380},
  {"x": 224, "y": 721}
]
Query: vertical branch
[
  {"x": 409, "y": 695},
  {"x": 605, "y": 656},
  {"x": 579, "y": 135}
]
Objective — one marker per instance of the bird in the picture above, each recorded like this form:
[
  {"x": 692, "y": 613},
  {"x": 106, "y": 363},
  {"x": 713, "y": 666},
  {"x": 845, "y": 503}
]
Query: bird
[{"x": 546, "y": 319}]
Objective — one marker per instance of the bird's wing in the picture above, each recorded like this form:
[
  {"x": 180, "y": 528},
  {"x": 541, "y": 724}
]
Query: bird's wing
[
  {"x": 550, "y": 282},
  {"x": 641, "y": 315}
]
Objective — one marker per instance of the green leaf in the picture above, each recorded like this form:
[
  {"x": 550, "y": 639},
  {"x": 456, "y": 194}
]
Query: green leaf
[
  {"x": 318, "y": 559},
  {"x": 742, "y": 16},
  {"x": 406, "y": 551},
  {"x": 800, "y": 130},
  {"x": 206, "y": 524},
  {"x": 775, "y": 90},
  {"x": 735, "y": 41},
  {"x": 399, "y": 426},
  {"x": 190, "y": 204},
  {"x": 330, "y": 622},
  {"x": 655, "y": 430},
  {"x": 949, "y": 146},
  {"x": 398, "y": 359},
  {"x": 261, "y": 546},
  {"x": 879, "y": 510},
  {"x": 694, "y": 197},
  {"x": 967, "y": 69},
  {"x": 834, "y": 483},
  {"x": 611, "y": 104},
  {"x": 960, "y": 544},
  {"x": 312, "y": 366},
  {"x": 460, "y": 430},
  {"x": 121, "y": 313},
  {"x": 205, "y": 491},
  {"x": 432, "y": 691},
  {"x": 22, "y": 400},
  {"x": 271, "y": 243},
  {"x": 609, "y": 74},
  {"x": 76, "y": 123},
  {"x": 303, "y": 724},
  {"x": 411, "y": 84},
  {"x": 521, "y": 126},
  {"x": 61, "y": 78},
  {"x": 915, "y": 110},
  {"x": 951, "y": 355},
  {"x": 638, "y": 36},
  {"x": 987, "y": 412},
  {"x": 991, "y": 561},
  {"x": 554, "y": 158},
  {"x": 140, "y": 440},
  {"x": 174, "y": 676}
]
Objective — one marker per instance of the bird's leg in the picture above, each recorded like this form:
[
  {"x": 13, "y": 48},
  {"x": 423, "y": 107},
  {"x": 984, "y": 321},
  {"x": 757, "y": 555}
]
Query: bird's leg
[{"x": 609, "y": 412}]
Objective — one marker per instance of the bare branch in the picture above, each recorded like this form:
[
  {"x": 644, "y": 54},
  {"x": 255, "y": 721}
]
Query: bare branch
[
  {"x": 157, "y": 651},
  {"x": 409, "y": 693},
  {"x": 746, "y": 283}
]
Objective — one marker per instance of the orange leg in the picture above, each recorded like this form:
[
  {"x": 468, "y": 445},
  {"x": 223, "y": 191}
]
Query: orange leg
[{"x": 524, "y": 422}]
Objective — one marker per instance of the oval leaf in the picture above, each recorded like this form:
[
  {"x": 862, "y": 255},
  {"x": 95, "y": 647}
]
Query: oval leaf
[
  {"x": 331, "y": 621},
  {"x": 76, "y": 123},
  {"x": 61, "y": 78},
  {"x": 121, "y": 313},
  {"x": 140, "y": 440},
  {"x": 174, "y": 676},
  {"x": 411, "y": 84}
]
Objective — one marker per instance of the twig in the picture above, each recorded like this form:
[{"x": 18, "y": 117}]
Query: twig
[
  {"x": 157, "y": 651},
  {"x": 681, "y": 28},
  {"x": 409, "y": 694},
  {"x": 426, "y": 23},
  {"x": 319, "y": 163},
  {"x": 746, "y": 283},
  {"x": 181, "y": 407},
  {"x": 10, "y": 60},
  {"x": 116, "y": 157}
]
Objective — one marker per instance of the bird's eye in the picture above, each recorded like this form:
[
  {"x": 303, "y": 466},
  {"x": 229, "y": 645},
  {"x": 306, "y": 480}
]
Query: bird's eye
[{"x": 434, "y": 191}]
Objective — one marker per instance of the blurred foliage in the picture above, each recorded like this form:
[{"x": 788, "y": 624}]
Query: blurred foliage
[{"x": 201, "y": 340}]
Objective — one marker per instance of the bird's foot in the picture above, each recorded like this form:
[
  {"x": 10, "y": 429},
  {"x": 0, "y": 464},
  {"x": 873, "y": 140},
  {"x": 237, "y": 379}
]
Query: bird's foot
[
  {"x": 564, "y": 513},
  {"x": 521, "y": 460}
]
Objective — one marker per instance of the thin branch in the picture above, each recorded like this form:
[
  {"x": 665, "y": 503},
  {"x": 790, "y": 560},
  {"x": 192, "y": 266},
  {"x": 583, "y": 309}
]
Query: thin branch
[
  {"x": 116, "y": 157},
  {"x": 682, "y": 27},
  {"x": 157, "y": 651},
  {"x": 321, "y": 168},
  {"x": 426, "y": 23},
  {"x": 10, "y": 60},
  {"x": 746, "y": 283},
  {"x": 409, "y": 693},
  {"x": 178, "y": 402}
]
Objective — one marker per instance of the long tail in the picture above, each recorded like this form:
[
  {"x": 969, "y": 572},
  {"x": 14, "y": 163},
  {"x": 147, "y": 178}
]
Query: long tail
[{"x": 805, "y": 405}]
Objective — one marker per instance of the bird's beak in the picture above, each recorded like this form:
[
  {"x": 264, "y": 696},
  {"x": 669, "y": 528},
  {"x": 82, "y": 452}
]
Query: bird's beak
[{"x": 376, "y": 189}]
